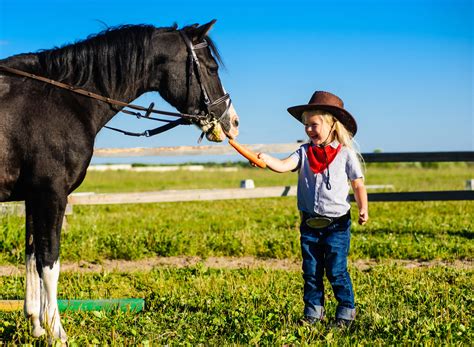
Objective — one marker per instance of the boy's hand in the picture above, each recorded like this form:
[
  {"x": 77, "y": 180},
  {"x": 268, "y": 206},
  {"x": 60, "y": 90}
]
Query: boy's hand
[
  {"x": 363, "y": 217},
  {"x": 261, "y": 156},
  {"x": 247, "y": 153},
  {"x": 275, "y": 164}
]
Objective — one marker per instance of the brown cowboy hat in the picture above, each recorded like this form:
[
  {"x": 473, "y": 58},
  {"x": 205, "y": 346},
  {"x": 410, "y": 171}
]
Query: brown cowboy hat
[{"x": 327, "y": 102}]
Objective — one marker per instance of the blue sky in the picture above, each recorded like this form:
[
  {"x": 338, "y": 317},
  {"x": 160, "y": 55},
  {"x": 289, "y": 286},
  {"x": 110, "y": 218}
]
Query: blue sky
[{"x": 403, "y": 68}]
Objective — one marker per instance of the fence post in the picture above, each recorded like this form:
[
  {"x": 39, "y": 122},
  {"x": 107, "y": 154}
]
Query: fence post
[
  {"x": 470, "y": 184},
  {"x": 247, "y": 184}
]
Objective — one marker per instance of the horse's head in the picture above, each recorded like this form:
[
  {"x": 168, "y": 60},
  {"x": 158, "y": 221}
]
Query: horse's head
[{"x": 190, "y": 82}]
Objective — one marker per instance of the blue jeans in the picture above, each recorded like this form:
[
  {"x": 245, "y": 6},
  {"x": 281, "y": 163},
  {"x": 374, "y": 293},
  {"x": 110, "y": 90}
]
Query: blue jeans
[{"x": 325, "y": 250}]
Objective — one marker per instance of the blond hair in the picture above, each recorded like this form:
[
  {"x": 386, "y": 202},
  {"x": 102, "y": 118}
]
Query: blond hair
[{"x": 339, "y": 133}]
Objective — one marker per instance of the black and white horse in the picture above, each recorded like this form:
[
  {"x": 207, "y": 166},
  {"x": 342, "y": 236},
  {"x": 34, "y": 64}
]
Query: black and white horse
[{"x": 47, "y": 132}]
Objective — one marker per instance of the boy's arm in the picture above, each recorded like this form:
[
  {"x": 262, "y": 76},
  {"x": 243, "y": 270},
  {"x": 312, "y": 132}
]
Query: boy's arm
[
  {"x": 360, "y": 194},
  {"x": 278, "y": 165}
]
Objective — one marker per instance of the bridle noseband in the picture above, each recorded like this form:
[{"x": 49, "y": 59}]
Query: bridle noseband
[{"x": 206, "y": 119}]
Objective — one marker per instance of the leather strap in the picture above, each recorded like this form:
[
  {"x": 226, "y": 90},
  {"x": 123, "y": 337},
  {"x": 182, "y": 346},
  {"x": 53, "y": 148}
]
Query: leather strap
[{"x": 94, "y": 95}]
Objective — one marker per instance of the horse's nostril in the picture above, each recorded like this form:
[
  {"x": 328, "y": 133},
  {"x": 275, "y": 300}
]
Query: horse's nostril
[{"x": 236, "y": 122}]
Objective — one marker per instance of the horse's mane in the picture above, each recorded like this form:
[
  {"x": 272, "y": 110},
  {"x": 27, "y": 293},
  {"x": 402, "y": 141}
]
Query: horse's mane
[{"x": 74, "y": 63}]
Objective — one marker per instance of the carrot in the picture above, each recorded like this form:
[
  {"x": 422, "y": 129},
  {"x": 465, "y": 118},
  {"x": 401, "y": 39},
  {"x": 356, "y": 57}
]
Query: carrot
[{"x": 248, "y": 154}]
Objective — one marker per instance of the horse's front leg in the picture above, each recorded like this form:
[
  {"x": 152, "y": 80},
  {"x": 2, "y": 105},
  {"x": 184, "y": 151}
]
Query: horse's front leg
[
  {"x": 49, "y": 312},
  {"x": 33, "y": 286},
  {"x": 47, "y": 207}
]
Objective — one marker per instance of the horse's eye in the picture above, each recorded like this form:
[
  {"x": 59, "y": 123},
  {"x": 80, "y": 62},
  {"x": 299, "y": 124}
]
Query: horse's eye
[{"x": 213, "y": 70}]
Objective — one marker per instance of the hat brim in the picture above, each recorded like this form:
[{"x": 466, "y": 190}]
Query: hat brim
[{"x": 342, "y": 115}]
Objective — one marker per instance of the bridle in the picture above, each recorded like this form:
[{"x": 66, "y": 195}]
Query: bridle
[
  {"x": 206, "y": 119},
  {"x": 209, "y": 119}
]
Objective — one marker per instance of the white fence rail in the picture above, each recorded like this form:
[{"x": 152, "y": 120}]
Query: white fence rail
[
  {"x": 161, "y": 196},
  {"x": 193, "y": 150},
  {"x": 181, "y": 195}
]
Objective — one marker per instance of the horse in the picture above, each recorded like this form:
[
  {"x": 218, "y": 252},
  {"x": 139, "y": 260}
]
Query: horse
[{"x": 54, "y": 102}]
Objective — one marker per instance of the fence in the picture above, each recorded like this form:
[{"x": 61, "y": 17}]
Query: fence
[
  {"x": 262, "y": 192},
  {"x": 464, "y": 156}
]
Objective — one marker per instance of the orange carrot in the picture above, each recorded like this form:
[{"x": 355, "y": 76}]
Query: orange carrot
[{"x": 248, "y": 154}]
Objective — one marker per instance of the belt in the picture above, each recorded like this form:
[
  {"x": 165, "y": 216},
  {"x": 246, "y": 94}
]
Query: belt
[{"x": 316, "y": 221}]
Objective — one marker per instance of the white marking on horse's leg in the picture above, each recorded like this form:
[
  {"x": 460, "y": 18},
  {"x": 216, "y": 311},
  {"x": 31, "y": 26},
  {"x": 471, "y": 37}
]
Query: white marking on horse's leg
[
  {"x": 32, "y": 298},
  {"x": 49, "y": 303}
]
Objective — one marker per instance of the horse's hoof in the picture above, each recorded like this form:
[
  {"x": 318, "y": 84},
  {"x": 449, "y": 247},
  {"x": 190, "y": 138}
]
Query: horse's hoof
[
  {"x": 37, "y": 332},
  {"x": 61, "y": 337}
]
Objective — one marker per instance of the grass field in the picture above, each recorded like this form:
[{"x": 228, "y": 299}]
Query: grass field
[
  {"x": 219, "y": 307},
  {"x": 436, "y": 176},
  {"x": 198, "y": 305}
]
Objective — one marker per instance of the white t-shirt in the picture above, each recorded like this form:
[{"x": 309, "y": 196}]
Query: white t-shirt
[{"x": 313, "y": 195}]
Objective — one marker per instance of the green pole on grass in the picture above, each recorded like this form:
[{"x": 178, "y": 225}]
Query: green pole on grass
[
  {"x": 135, "y": 305},
  {"x": 102, "y": 305}
]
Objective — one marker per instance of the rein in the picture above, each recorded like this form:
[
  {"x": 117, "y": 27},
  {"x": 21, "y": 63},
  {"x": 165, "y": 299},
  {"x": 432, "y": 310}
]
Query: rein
[{"x": 185, "y": 119}]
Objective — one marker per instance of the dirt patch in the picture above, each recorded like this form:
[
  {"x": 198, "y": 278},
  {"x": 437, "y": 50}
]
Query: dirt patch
[
  {"x": 145, "y": 265},
  {"x": 364, "y": 264}
]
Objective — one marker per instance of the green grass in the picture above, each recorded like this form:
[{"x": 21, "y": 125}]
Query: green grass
[
  {"x": 196, "y": 305},
  {"x": 446, "y": 176},
  {"x": 248, "y": 307},
  {"x": 255, "y": 227},
  {"x": 106, "y": 182}
]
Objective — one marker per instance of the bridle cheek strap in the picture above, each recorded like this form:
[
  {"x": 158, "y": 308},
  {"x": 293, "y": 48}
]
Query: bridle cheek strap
[{"x": 194, "y": 66}]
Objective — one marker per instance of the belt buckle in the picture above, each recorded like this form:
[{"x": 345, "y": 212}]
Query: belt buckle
[{"x": 318, "y": 222}]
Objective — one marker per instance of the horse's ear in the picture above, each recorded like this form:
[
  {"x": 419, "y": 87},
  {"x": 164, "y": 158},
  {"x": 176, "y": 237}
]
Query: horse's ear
[{"x": 202, "y": 31}]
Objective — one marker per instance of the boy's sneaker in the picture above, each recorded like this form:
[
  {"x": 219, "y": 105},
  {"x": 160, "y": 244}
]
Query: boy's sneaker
[
  {"x": 342, "y": 323},
  {"x": 309, "y": 320}
]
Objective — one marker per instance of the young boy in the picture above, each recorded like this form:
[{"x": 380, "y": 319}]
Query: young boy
[{"x": 325, "y": 166}]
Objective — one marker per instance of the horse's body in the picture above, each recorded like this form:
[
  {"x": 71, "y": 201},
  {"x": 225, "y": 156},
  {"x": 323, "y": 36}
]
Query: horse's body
[{"x": 47, "y": 134}]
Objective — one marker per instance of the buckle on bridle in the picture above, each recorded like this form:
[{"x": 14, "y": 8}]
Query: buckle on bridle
[{"x": 149, "y": 110}]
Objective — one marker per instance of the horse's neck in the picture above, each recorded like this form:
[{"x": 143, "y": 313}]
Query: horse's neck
[
  {"x": 103, "y": 76},
  {"x": 124, "y": 83},
  {"x": 126, "y": 88},
  {"x": 132, "y": 82}
]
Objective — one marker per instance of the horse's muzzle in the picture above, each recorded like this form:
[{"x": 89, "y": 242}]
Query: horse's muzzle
[{"x": 226, "y": 127}]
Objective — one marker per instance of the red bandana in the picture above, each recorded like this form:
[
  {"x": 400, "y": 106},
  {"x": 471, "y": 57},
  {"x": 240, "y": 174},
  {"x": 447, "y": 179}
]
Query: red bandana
[{"x": 318, "y": 160}]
